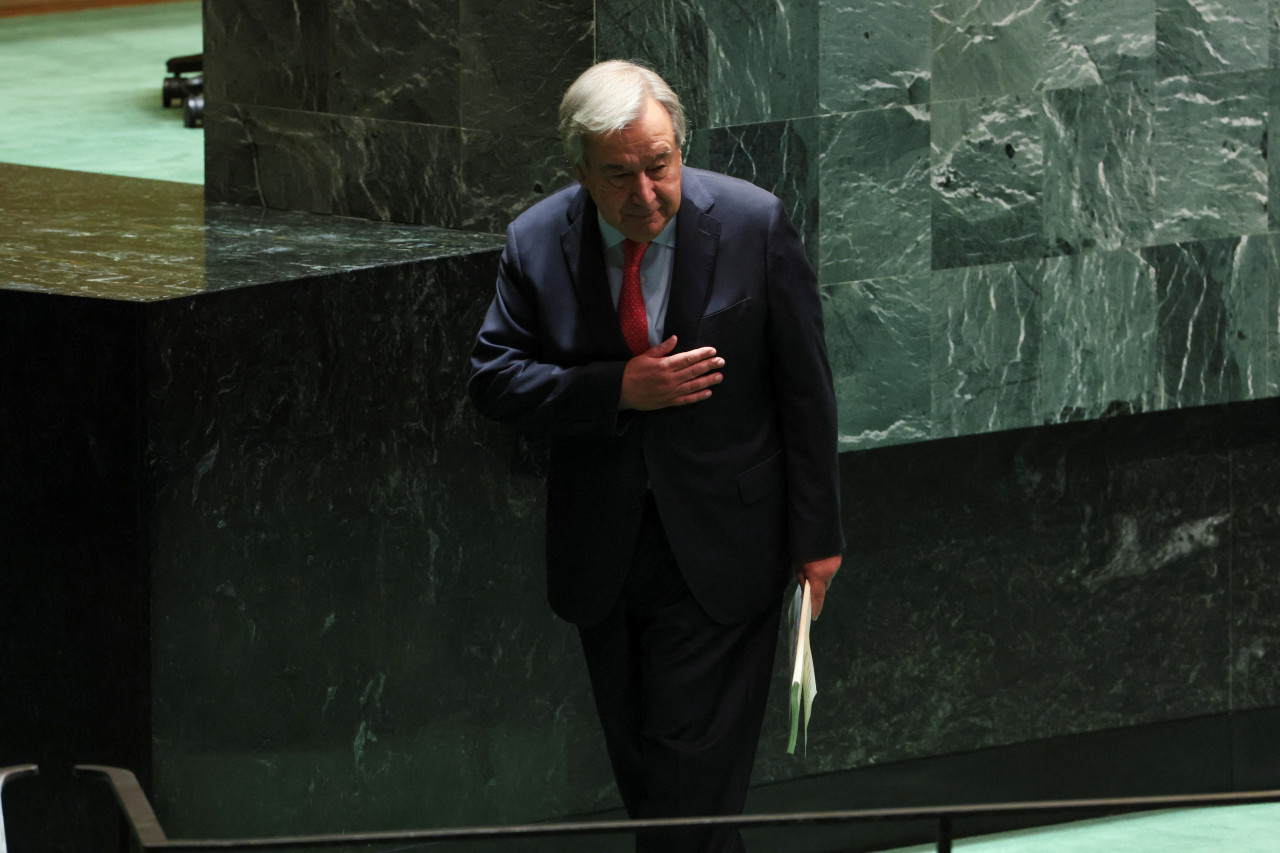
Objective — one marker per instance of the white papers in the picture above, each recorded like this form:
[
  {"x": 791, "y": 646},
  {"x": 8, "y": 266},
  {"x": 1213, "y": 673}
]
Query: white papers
[{"x": 804, "y": 685}]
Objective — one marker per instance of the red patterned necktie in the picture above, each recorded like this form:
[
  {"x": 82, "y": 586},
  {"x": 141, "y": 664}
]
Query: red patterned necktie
[{"x": 631, "y": 313}]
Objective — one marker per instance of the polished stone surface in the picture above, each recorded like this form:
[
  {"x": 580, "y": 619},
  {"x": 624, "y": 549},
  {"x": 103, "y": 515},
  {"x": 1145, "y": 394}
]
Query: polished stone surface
[
  {"x": 988, "y": 178},
  {"x": 986, "y": 325},
  {"x": 1195, "y": 37},
  {"x": 1214, "y": 330},
  {"x": 1209, "y": 157},
  {"x": 428, "y": 112},
  {"x": 349, "y": 606},
  {"x": 873, "y": 54},
  {"x": 1099, "y": 177},
  {"x": 763, "y": 60},
  {"x": 1090, "y": 297},
  {"x": 1070, "y": 579},
  {"x": 107, "y": 237},
  {"x": 986, "y": 49},
  {"x": 878, "y": 337},
  {"x": 782, "y": 157},
  {"x": 876, "y": 202}
]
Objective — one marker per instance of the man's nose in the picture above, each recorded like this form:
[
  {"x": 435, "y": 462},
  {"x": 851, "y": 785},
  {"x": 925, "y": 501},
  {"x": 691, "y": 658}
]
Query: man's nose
[{"x": 644, "y": 189}]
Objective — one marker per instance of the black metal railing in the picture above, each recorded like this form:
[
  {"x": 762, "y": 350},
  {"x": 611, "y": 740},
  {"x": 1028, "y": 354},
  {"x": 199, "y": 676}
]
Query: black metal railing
[
  {"x": 145, "y": 833},
  {"x": 7, "y": 774}
]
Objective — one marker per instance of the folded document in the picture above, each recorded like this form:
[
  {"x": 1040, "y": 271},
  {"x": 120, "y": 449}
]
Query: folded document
[{"x": 803, "y": 684}]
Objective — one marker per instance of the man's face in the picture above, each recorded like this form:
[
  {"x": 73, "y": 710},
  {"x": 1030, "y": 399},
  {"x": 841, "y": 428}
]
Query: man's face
[{"x": 634, "y": 175}]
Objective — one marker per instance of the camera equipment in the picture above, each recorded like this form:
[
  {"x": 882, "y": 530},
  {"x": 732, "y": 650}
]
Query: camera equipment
[{"x": 188, "y": 91}]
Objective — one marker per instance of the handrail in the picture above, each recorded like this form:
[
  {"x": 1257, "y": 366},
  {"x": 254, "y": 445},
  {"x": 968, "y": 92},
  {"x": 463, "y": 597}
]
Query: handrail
[
  {"x": 7, "y": 773},
  {"x": 133, "y": 802},
  {"x": 147, "y": 833}
]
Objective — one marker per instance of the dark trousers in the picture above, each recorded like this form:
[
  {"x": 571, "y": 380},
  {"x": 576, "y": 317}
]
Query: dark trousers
[{"x": 681, "y": 698}]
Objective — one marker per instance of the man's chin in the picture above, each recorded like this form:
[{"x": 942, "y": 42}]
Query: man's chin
[{"x": 642, "y": 231}]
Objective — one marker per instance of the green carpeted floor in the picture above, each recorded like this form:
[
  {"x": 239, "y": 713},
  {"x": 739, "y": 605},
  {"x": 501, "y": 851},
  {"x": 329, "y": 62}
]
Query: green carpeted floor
[
  {"x": 81, "y": 90},
  {"x": 1230, "y": 829}
]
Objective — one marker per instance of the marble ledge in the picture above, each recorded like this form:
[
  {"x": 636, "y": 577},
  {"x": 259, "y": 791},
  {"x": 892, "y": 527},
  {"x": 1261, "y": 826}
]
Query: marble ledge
[{"x": 138, "y": 240}]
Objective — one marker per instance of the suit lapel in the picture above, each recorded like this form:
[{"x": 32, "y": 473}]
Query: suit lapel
[
  {"x": 584, "y": 256},
  {"x": 697, "y": 238}
]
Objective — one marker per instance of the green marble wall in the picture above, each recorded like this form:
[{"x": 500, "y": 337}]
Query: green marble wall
[
  {"x": 1008, "y": 201},
  {"x": 1023, "y": 212}
]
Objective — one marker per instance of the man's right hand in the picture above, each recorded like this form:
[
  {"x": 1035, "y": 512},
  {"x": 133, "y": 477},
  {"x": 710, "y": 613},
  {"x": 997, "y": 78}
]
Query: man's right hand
[{"x": 655, "y": 379}]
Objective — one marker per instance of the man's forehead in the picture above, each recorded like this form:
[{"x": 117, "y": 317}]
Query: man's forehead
[{"x": 612, "y": 157}]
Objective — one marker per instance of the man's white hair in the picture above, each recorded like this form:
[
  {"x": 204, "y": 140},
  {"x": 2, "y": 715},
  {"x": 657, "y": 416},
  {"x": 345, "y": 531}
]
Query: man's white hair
[{"x": 608, "y": 97}]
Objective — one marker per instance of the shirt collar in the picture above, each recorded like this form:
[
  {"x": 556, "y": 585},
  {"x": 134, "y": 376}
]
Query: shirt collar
[{"x": 613, "y": 237}]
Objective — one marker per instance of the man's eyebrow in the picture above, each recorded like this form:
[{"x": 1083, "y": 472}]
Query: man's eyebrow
[{"x": 663, "y": 155}]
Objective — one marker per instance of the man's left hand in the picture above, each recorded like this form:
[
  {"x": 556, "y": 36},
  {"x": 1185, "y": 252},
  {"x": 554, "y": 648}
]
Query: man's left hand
[{"x": 819, "y": 574}]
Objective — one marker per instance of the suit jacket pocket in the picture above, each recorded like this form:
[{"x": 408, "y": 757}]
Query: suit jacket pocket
[
  {"x": 728, "y": 314},
  {"x": 760, "y": 479}
]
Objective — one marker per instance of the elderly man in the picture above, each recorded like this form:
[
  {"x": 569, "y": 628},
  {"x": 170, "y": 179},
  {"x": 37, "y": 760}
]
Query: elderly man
[{"x": 662, "y": 324}]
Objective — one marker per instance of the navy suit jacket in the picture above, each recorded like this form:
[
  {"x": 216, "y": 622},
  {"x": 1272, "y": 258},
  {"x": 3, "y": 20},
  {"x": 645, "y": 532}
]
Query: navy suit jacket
[{"x": 745, "y": 482}]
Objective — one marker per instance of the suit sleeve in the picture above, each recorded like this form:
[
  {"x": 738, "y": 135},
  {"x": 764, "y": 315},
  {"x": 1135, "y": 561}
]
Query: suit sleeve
[
  {"x": 518, "y": 374},
  {"x": 806, "y": 396}
]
